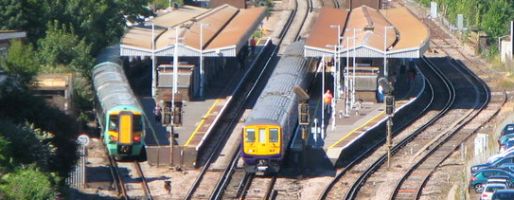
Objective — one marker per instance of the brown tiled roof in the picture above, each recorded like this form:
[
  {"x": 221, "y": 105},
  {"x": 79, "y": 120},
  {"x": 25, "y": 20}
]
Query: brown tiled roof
[
  {"x": 242, "y": 25},
  {"x": 225, "y": 26},
  {"x": 215, "y": 21},
  {"x": 412, "y": 32},
  {"x": 178, "y": 16},
  {"x": 235, "y": 3},
  {"x": 321, "y": 34},
  {"x": 140, "y": 37},
  {"x": 369, "y": 23}
]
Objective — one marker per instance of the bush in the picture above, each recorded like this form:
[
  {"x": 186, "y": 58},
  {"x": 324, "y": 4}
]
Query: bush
[{"x": 27, "y": 183}]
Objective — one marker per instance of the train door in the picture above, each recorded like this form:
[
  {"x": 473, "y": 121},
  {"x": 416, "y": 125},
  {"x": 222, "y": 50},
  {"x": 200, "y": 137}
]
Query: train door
[{"x": 125, "y": 131}]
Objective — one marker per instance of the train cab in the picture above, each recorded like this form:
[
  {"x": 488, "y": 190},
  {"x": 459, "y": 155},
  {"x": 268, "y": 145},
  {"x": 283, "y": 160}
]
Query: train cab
[
  {"x": 124, "y": 133},
  {"x": 262, "y": 147}
]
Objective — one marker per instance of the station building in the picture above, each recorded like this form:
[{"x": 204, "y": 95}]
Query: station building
[{"x": 375, "y": 38}]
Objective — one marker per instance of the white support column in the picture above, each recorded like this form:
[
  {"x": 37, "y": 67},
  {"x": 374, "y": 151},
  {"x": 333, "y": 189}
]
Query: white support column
[
  {"x": 202, "y": 77},
  {"x": 202, "y": 74},
  {"x": 346, "y": 79},
  {"x": 322, "y": 98},
  {"x": 385, "y": 52},
  {"x": 353, "y": 71},
  {"x": 154, "y": 70},
  {"x": 175, "y": 71}
]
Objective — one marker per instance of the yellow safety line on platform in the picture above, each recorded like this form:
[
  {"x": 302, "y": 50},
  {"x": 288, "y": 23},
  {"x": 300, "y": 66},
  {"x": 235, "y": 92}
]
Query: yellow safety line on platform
[
  {"x": 355, "y": 130},
  {"x": 201, "y": 122}
]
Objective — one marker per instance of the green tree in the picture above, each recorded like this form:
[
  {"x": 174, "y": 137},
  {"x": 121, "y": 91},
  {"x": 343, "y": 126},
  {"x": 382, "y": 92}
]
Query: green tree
[
  {"x": 21, "y": 62},
  {"x": 26, "y": 15},
  {"x": 35, "y": 143},
  {"x": 61, "y": 47},
  {"x": 5, "y": 155},
  {"x": 496, "y": 18},
  {"x": 27, "y": 183}
]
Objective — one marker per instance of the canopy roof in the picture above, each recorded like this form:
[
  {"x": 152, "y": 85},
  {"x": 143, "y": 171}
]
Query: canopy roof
[
  {"x": 223, "y": 30},
  {"x": 405, "y": 36}
]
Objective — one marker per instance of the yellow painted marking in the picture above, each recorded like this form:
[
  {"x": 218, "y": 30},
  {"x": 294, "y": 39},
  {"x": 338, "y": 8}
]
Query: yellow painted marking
[
  {"x": 355, "y": 130},
  {"x": 125, "y": 127},
  {"x": 201, "y": 122}
]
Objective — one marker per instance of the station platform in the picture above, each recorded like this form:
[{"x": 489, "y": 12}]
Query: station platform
[
  {"x": 199, "y": 116},
  {"x": 341, "y": 131}
]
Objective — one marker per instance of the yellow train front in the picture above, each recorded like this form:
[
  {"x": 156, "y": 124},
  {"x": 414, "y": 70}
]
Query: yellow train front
[
  {"x": 262, "y": 147},
  {"x": 274, "y": 118}
]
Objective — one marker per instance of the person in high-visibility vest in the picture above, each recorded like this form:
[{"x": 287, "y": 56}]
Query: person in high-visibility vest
[{"x": 327, "y": 98}]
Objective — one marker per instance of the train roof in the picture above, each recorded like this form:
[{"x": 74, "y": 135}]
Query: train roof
[
  {"x": 277, "y": 97},
  {"x": 111, "y": 86}
]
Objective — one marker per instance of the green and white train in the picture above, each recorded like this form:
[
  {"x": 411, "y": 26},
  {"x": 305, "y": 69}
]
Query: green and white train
[{"x": 120, "y": 115}]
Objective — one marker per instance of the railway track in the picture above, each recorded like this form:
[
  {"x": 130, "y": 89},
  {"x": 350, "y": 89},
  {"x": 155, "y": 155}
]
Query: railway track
[
  {"x": 444, "y": 137},
  {"x": 203, "y": 186},
  {"x": 128, "y": 189},
  {"x": 233, "y": 182},
  {"x": 359, "y": 168},
  {"x": 411, "y": 184}
]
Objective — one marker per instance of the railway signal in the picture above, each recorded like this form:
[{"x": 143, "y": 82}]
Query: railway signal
[{"x": 389, "y": 103}]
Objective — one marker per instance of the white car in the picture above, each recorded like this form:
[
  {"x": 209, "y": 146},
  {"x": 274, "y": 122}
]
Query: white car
[{"x": 489, "y": 190}]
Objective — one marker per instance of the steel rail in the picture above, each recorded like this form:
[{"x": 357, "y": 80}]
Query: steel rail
[
  {"x": 227, "y": 174},
  {"x": 117, "y": 179},
  {"x": 369, "y": 150},
  {"x": 144, "y": 183},
  {"x": 470, "y": 116},
  {"x": 352, "y": 194}
]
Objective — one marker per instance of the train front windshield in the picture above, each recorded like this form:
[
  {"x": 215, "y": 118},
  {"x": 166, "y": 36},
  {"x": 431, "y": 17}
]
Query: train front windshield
[{"x": 138, "y": 123}]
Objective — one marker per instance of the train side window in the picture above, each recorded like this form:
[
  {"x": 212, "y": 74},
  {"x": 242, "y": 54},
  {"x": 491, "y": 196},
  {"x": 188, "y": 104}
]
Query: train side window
[
  {"x": 273, "y": 135},
  {"x": 113, "y": 122},
  {"x": 250, "y": 135},
  {"x": 137, "y": 123},
  {"x": 262, "y": 135}
]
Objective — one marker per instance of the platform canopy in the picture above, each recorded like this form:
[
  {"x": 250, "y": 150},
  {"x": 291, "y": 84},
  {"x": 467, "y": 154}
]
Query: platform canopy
[
  {"x": 407, "y": 37},
  {"x": 226, "y": 30}
]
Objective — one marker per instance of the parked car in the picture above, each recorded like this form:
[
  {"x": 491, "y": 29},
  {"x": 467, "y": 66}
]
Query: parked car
[
  {"x": 507, "y": 129},
  {"x": 507, "y": 166},
  {"x": 507, "y": 194},
  {"x": 489, "y": 190},
  {"x": 506, "y": 142},
  {"x": 495, "y": 157},
  {"x": 479, "y": 179},
  {"x": 499, "y": 179},
  {"x": 502, "y": 160}
]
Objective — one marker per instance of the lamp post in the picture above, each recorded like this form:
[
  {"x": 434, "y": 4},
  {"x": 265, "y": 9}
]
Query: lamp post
[
  {"x": 154, "y": 70},
  {"x": 202, "y": 76},
  {"x": 337, "y": 73},
  {"x": 386, "y": 73},
  {"x": 322, "y": 97},
  {"x": 175, "y": 75},
  {"x": 353, "y": 67},
  {"x": 346, "y": 78},
  {"x": 333, "y": 103}
]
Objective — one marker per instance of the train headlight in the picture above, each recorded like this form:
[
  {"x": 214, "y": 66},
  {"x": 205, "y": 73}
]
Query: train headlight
[
  {"x": 251, "y": 150},
  {"x": 137, "y": 138}
]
